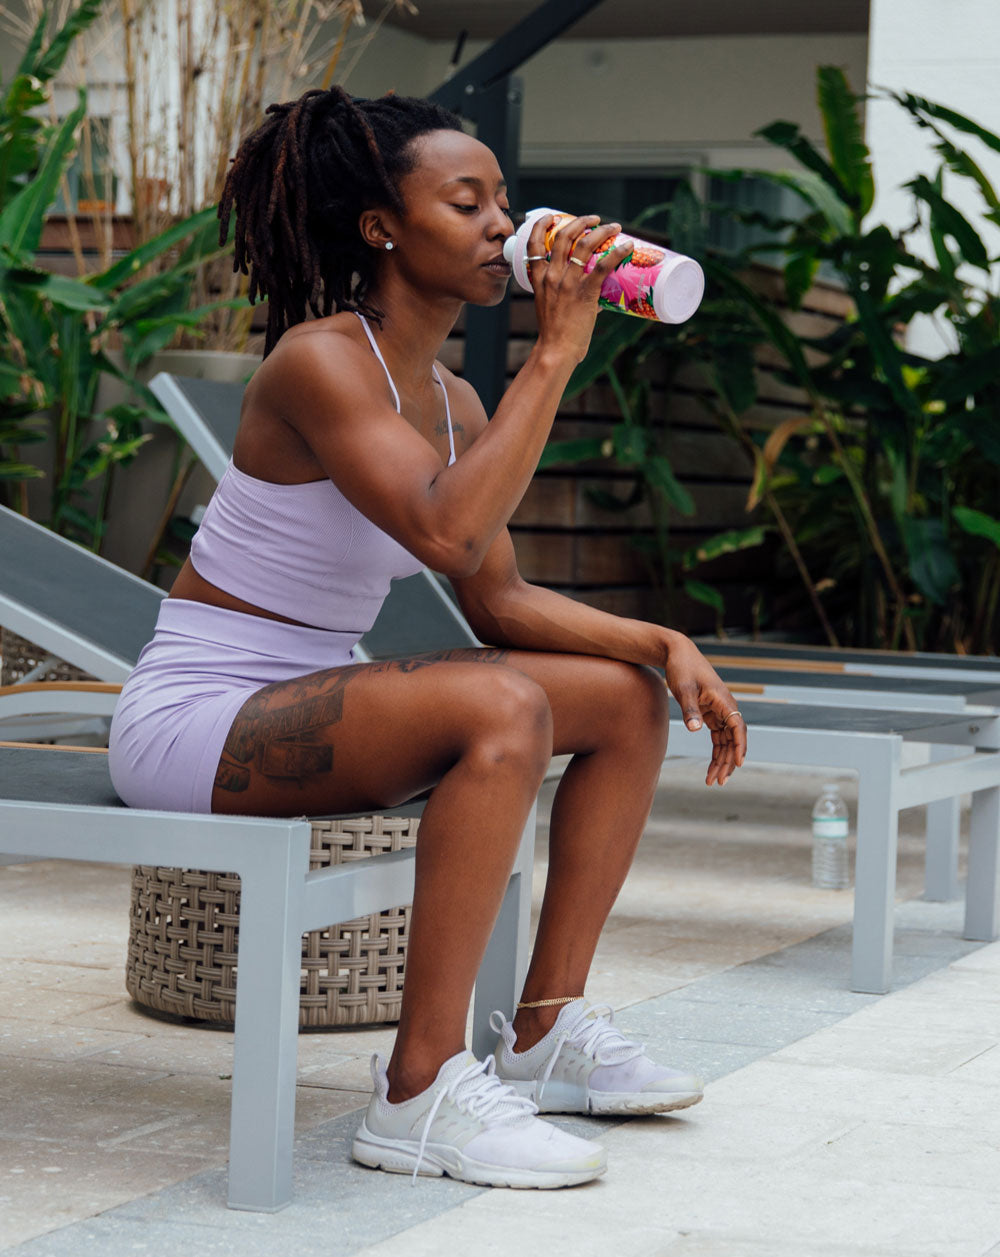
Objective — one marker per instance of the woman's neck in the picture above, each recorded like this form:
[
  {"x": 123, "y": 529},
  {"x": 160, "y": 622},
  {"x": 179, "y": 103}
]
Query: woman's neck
[{"x": 412, "y": 331}]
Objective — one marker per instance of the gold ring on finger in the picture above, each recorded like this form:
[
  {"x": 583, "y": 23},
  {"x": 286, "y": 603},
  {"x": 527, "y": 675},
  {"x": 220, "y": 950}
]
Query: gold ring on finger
[
  {"x": 577, "y": 261},
  {"x": 726, "y": 719}
]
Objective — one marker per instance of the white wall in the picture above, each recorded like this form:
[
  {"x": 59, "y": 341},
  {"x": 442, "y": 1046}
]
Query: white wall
[
  {"x": 641, "y": 102},
  {"x": 948, "y": 54},
  {"x": 626, "y": 102}
]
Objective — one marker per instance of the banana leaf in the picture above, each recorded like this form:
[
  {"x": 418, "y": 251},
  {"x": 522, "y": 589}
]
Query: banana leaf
[
  {"x": 961, "y": 380},
  {"x": 22, "y": 217},
  {"x": 60, "y": 290},
  {"x": 706, "y": 594},
  {"x": 47, "y": 65},
  {"x": 612, "y": 336},
  {"x": 788, "y": 135},
  {"x": 845, "y": 138},
  {"x": 578, "y": 451},
  {"x": 885, "y": 351},
  {"x": 932, "y": 565},
  {"x": 977, "y": 523},
  {"x": 659, "y": 474},
  {"x": 21, "y": 133},
  {"x": 951, "y": 222},
  {"x": 131, "y": 264},
  {"x": 729, "y": 542},
  {"x": 917, "y": 105}
]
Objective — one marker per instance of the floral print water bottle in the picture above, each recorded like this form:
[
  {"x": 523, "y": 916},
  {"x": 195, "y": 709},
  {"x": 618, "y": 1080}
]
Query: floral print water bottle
[{"x": 653, "y": 283}]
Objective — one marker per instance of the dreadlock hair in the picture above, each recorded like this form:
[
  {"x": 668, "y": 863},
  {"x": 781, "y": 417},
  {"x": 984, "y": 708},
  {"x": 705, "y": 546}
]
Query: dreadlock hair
[{"x": 300, "y": 183}]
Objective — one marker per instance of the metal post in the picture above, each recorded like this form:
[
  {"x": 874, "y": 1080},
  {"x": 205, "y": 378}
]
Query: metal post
[
  {"x": 486, "y": 93},
  {"x": 497, "y": 113}
]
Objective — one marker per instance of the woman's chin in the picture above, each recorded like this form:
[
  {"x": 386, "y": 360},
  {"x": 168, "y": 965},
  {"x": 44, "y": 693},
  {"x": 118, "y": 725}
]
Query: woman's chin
[{"x": 492, "y": 299}]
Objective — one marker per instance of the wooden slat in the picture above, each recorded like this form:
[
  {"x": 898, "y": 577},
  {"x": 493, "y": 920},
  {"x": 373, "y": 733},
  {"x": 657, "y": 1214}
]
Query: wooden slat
[
  {"x": 47, "y": 746},
  {"x": 53, "y": 687},
  {"x": 775, "y": 665}
]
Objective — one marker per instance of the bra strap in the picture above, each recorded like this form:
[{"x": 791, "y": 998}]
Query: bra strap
[
  {"x": 378, "y": 355},
  {"x": 447, "y": 413},
  {"x": 437, "y": 377}
]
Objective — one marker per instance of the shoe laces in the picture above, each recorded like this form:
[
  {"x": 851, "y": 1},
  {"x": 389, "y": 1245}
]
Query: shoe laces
[
  {"x": 476, "y": 1090},
  {"x": 593, "y": 1031}
]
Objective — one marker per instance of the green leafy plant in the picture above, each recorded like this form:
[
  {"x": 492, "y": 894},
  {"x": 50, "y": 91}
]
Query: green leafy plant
[
  {"x": 56, "y": 333},
  {"x": 625, "y": 353},
  {"x": 879, "y": 476},
  {"x": 883, "y": 486}
]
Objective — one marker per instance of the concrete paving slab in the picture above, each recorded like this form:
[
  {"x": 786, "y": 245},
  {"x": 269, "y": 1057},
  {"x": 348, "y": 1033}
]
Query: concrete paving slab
[{"x": 718, "y": 947}]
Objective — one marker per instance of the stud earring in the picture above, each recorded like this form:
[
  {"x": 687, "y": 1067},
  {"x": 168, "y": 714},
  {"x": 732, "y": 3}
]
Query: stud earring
[{"x": 389, "y": 244}]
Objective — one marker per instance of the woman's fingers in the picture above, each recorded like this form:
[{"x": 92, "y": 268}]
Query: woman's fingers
[
  {"x": 569, "y": 235},
  {"x": 729, "y": 736}
]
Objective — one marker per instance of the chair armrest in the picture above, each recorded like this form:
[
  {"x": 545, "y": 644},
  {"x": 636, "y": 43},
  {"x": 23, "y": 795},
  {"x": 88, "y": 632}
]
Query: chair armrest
[{"x": 93, "y": 698}]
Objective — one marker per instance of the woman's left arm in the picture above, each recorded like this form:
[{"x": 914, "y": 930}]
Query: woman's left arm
[{"x": 504, "y": 610}]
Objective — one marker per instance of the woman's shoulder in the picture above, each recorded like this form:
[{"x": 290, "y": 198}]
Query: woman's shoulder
[{"x": 325, "y": 358}]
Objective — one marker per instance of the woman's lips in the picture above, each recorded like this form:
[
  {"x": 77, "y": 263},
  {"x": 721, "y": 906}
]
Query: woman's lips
[{"x": 498, "y": 267}]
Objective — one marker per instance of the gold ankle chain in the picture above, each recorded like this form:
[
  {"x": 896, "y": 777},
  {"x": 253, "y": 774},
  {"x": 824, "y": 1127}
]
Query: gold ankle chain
[{"x": 548, "y": 1003}]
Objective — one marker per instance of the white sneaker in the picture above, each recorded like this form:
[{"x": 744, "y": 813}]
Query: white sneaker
[
  {"x": 586, "y": 1065},
  {"x": 471, "y": 1126}
]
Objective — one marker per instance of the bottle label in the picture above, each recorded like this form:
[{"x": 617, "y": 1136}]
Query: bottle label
[
  {"x": 629, "y": 288},
  {"x": 831, "y": 828}
]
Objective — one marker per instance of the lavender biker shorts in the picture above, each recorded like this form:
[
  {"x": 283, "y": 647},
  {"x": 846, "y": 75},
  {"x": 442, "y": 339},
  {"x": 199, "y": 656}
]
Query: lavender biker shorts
[{"x": 192, "y": 679}]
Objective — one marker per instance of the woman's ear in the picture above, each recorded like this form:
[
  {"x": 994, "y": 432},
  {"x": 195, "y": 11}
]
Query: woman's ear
[{"x": 376, "y": 230}]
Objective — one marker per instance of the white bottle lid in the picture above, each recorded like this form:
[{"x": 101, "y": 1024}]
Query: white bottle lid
[
  {"x": 678, "y": 290},
  {"x": 515, "y": 247}
]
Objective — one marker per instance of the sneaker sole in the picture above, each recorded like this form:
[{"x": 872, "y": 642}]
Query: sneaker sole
[
  {"x": 399, "y": 1156},
  {"x": 607, "y": 1103}
]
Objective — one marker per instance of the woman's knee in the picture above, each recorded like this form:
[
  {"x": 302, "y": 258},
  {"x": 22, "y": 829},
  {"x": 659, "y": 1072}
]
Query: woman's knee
[
  {"x": 513, "y": 722},
  {"x": 641, "y": 704}
]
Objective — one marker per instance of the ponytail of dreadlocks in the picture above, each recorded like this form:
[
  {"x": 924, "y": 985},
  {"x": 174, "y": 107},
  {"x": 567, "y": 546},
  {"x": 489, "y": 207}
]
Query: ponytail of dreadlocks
[{"x": 300, "y": 183}]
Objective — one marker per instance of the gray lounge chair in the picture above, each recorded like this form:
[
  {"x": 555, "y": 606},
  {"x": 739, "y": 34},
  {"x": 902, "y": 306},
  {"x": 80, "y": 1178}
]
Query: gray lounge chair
[
  {"x": 868, "y": 742},
  {"x": 59, "y": 804},
  {"x": 821, "y": 729}
]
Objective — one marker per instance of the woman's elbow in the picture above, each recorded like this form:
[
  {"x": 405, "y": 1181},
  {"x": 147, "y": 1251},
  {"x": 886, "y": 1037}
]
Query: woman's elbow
[{"x": 455, "y": 556}]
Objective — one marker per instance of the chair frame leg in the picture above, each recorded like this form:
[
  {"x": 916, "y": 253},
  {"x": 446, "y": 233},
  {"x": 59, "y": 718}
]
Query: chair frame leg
[
  {"x": 265, "y": 1049},
  {"x": 875, "y": 868},
  {"x": 941, "y": 836},
  {"x": 982, "y": 896}
]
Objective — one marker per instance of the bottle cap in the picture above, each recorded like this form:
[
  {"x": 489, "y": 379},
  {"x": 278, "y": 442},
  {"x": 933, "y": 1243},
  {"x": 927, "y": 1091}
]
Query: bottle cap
[
  {"x": 678, "y": 290},
  {"x": 515, "y": 247}
]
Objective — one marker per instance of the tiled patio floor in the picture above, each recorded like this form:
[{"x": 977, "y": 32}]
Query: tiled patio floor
[{"x": 835, "y": 1123}]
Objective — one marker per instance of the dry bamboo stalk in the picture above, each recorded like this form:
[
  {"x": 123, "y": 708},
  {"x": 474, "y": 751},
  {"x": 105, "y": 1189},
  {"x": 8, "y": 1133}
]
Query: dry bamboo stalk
[
  {"x": 338, "y": 48},
  {"x": 295, "y": 51},
  {"x": 128, "y": 23}
]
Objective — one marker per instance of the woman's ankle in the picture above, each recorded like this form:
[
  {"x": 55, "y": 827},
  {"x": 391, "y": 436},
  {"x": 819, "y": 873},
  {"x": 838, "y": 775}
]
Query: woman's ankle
[{"x": 409, "y": 1074}]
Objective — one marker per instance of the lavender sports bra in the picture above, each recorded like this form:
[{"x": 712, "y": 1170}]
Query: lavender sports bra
[{"x": 302, "y": 550}]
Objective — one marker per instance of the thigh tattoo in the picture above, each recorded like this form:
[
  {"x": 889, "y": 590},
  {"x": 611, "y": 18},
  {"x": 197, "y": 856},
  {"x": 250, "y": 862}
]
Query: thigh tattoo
[{"x": 276, "y": 732}]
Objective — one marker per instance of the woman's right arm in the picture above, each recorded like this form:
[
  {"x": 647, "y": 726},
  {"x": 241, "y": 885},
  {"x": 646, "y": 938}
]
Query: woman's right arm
[{"x": 447, "y": 516}]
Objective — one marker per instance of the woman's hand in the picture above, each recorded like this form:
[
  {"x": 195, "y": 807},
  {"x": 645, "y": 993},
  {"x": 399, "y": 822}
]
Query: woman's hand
[
  {"x": 565, "y": 294},
  {"x": 703, "y": 698}
]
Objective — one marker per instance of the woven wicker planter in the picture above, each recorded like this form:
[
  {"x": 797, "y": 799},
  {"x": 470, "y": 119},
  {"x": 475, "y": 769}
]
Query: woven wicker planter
[{"x": 184, "y": 927}]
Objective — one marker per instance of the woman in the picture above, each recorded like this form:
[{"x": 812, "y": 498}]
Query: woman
[{"x": 360, "y": 459}]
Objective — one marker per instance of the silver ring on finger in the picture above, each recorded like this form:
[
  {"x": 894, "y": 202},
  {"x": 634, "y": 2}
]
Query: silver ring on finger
[{"x": 537, "y": 257}]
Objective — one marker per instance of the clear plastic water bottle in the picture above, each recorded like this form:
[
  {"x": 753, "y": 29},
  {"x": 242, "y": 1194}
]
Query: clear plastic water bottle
[{"x": 829, "y": 829}]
